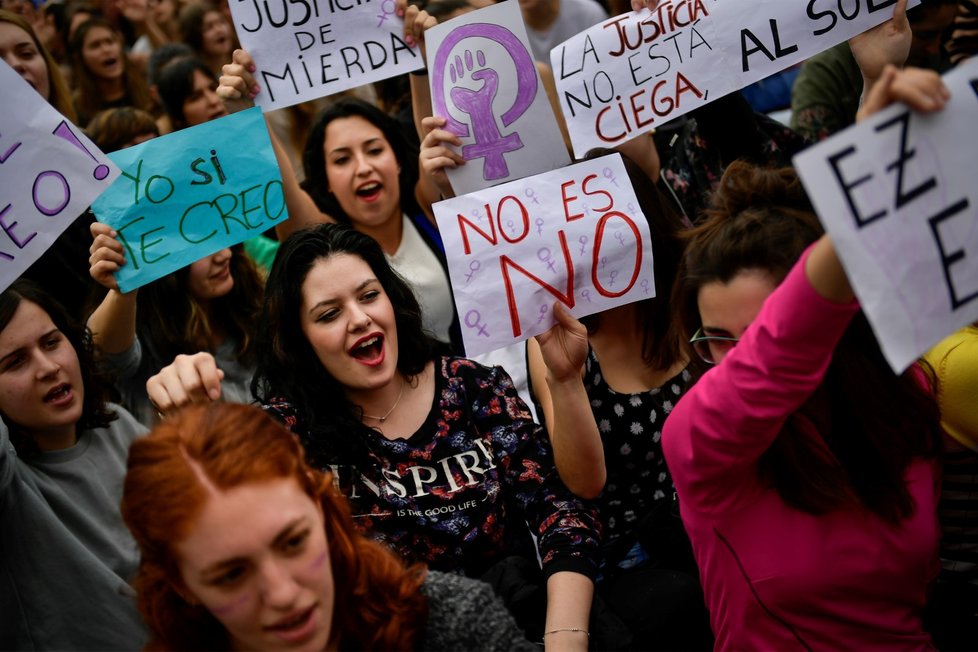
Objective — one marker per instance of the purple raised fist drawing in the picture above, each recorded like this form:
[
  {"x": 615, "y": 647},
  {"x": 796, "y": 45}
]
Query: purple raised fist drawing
[{"x": 491, "y": 144}]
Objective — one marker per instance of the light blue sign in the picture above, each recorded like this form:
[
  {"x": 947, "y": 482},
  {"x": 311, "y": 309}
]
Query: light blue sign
[{"x": 191, "y": 193}]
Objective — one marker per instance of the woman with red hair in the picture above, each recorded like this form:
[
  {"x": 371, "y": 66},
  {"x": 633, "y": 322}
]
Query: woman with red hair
[{"x": 246, "y": 547}]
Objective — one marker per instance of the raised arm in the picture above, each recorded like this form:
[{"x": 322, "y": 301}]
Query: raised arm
[
  {"x": 113, "y": 323},
  {"x": 238, "y": 89},
  {"x": 887, "y": 44},
  {"x": 556, "y": 362},
  {"x": 416, "y": 21}
]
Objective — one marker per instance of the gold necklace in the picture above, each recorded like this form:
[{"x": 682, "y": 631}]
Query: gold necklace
[{"x": 384, "y": 418}]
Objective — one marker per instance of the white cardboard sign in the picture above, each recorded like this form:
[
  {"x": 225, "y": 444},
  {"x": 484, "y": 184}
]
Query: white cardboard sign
[
  {"x": 574, "y": 235},
  {"x": 898, "y": 195},
  {"x": 485, "y": 83},
  {"x": 49, "y": 173},
  {"x": 633, "y": 72},
  {"x": 307, "y": 49}
]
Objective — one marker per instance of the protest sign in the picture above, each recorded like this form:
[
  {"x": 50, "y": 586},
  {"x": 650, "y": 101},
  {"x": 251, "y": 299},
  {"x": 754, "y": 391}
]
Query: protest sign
[
  {"x": 49, "y": 174},
  {"x": 897, "y": 194},
  {"x": 484, "y": 82},
  {"x": 575, "y": 235},
  {"x": 306, "y": 49},
  {"x": 192, "y": 193},
  {"x": 617, "y": 80}
]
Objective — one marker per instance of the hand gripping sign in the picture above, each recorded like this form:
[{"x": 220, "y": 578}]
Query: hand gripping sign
[
  {"x": 49, "y": 173},
  {"x": 897, "y": 194},
  {"x": 572, "y": 235}
]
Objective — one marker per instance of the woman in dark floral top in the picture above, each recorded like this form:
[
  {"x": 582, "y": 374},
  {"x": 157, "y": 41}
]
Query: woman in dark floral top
[{"x": 438, "y": 456}]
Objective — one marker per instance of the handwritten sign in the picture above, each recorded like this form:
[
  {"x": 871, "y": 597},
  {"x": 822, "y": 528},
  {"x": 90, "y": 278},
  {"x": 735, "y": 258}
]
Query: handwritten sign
[
  {"x": 306, "y": 49},
  {"x": 639, "y": 70},
  {"x": 192, "y": 193},
  {"x": 574, "y": 235},
  {"x": 49, "y": 173},
  {"x": 484, "y": 82},
  {"x": 898, "y": 195}
]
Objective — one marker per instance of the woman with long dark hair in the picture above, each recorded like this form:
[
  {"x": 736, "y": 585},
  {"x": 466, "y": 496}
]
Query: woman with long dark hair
[
  {"x": 103, "y": 76},
  {"x": 438, "y": 456},
  {"x": 360, "y": 170},
  {"x": 67, "y": 558}
]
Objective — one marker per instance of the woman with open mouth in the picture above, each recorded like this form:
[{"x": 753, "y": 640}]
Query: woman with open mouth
[
  {"x": 437, "y": 455},
  {"x": 247, "y": 547},
  {"x": 204, "y": 27},
  {"x": 360, "y": 170},
  {"x": 103, "y": 76},
  {"x": 67, "y": 557}
]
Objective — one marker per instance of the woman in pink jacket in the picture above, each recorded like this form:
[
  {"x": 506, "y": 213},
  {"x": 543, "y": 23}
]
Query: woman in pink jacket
[{"x": 806, "y": 470}]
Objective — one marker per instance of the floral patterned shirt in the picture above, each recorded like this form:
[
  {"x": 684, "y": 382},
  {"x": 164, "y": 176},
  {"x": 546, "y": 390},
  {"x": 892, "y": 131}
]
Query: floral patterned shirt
[{"x": 460, "y": 492}]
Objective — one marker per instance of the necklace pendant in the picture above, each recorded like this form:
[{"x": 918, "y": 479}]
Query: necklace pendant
[{"x": 382, "y": 419}]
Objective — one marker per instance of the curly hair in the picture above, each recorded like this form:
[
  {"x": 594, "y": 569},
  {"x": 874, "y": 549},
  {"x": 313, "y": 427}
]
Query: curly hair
[
  {"x": 172, "y": 321},
  {"x": 95, "y": 412},
  {"x": 874, "y": 421},
  {"x": 377, "y": 605},
  {"x": 59, "y": 95},
  {"x": 314, "y": 156},
  {"x": 288, "y": 367}
]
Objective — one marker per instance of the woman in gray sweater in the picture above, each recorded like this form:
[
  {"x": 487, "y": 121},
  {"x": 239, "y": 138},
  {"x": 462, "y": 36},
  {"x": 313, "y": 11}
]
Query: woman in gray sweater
[{"x": 65, "y": 555}]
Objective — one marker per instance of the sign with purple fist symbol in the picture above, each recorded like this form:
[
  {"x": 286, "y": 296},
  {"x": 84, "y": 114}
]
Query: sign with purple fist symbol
[
  {"x": 510, "y": 257},
  {"x": 485, "y": 84},
  {"x": 49, "y": 174}
]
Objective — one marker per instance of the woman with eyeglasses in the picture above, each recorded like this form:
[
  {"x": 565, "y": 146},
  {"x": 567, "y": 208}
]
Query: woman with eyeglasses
[{"x": 806, "y": 470}]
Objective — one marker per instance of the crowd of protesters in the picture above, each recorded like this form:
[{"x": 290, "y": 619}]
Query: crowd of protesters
[{"x": 284, "y": 446}]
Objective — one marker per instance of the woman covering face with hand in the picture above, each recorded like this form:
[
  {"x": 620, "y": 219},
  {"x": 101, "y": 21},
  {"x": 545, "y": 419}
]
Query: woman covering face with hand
[
  {"x": 437, "y": 455},
  {"x": 209, "y": 305},
  {"x": 67, "y": 558},
  {"x": 246, "y": 547}
]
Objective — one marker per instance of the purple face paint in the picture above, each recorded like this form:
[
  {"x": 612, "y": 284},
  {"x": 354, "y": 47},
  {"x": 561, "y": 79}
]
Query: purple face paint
[
  {"x": 231, "y": 607},
  {"x": 318, "y": 561}
]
